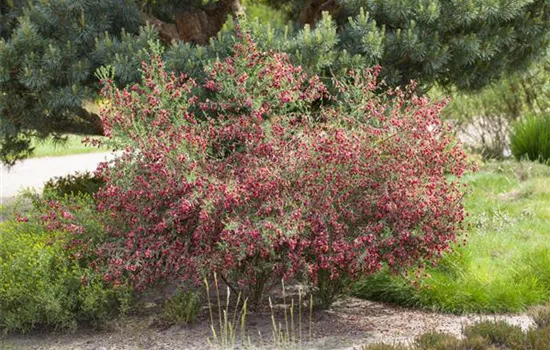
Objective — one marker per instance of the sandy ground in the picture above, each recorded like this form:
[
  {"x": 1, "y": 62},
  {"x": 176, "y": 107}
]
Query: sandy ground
[
  {"x": 350, "y": 324},
  {"x": 35, "y": 172}
]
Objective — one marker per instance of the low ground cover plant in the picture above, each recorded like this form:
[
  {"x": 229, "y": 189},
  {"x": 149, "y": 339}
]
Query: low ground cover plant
[
  {"x": 182, "y": 308},
  {"x": 259, "y": 173},
  {"x": 485, "y": 335},
  {"x": 45, "y": 280},
  {"x": 504, "y": 265}
]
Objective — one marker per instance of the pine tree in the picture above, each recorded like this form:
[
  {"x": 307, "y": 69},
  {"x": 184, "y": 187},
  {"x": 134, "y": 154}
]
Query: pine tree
[
  {"x": 50, "y": 49},
  {"x": 48, "y": 55}
]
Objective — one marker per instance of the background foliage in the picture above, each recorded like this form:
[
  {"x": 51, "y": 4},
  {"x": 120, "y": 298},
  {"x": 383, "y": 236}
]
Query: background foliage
[
  {"x": 49, "y": 50},
  {"x": 486, "y": 119}
]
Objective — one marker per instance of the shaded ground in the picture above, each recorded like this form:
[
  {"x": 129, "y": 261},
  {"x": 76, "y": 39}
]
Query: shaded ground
[{"x": 351, "y": 323}]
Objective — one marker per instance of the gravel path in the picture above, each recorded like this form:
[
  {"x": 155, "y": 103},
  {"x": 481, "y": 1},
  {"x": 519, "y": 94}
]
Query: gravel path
[
  {"x": 350, "y": 324},
  {"x": 35, "y": 172}
]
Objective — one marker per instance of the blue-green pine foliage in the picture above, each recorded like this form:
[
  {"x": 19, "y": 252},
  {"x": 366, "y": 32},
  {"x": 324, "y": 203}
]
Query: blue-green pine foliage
[{"x": 51, "y": 49}]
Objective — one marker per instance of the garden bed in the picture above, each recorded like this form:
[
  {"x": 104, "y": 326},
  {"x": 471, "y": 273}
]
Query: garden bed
[{"x": 350, "y": 324}]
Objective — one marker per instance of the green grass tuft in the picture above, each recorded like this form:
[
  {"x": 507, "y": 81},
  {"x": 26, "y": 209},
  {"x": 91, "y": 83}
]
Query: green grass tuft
[{"x": 531, "y": 139}]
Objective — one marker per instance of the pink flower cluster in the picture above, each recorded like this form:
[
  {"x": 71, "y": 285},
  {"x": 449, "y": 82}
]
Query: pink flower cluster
[{"x": 261, "y": 173}]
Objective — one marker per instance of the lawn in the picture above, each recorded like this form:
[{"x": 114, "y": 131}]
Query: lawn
[
  {"x": 505, "y": 264},
  {"x": 73, "y": 145}
]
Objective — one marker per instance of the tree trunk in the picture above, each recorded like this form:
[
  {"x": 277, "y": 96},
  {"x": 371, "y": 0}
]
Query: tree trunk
[
  {"x": 89, "y": 123},
  {"x": 167, "y": 31},
  {"x": 313, "y": 10},
  {"x": 196, "y": 25}
]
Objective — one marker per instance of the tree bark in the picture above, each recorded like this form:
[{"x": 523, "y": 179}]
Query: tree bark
[
  {"x": 167, "y": 31},
  {"x": 196, "y": 25},
  {"x": 313, "y": 11},
  {"x": 89, "y": 123}
]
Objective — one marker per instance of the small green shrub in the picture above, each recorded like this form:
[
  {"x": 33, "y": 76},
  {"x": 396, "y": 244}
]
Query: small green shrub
[
  {"x": 183, "y": 307},
  {"x": 531, "y": 138},
  {"x": 436, "y": 341},
  {"x": 41, "y": 284},
  {"x": 473, "y": 343},
  {"x": 74, "y": 184},
  {"x": 539, "y": 339},
  {"x": 500, "y": 334},
  {"x": 541, "y": 315},
  {"x": 486, "y": 335}
]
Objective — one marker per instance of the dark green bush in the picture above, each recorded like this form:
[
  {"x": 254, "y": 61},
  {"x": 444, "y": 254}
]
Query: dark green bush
[
  {"x": 531, "y": 139},
  {"x": 74, "y": 184}
]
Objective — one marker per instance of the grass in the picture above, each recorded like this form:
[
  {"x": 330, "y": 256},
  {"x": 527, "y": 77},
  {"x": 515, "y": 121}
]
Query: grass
[
  {"x": 73, "y": 145},
  {"x": 531, "y": 138},
  {"x": 229, "y": 326},
  {"x": 505, "y": 264}
]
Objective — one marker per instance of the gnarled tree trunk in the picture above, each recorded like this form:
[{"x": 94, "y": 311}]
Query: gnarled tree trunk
[
  {"x": 196, "y": 25},
  {"x": 199, "y": 25},
  {"x": 313, "y": 10}
]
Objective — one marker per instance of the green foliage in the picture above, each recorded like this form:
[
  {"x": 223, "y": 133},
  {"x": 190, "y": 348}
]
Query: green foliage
[
  {"x": 47, "y": 59},
  {"x": 442, "y": 41},
  {"x": 499, "y": 333},
  {"x": 435, "y": 341},
  {"x": 183, "y": 307},
  {"x": 486, "y": 118},
  {"x": 504, "y": 265},
  {"x": 541, "y": 315},
  {"x": 531, "y": 138},
  {"x": 486, "y": 335},
  {"x": 49, "y": 51},
  {"x": 264, "y": 13},
  {"x": 73, "y": 184},
  {"x": 42, "y": 285}
]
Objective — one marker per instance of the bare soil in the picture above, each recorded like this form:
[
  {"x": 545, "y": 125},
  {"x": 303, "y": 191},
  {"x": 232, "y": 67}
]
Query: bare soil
[{"x": 349, "y": 324}]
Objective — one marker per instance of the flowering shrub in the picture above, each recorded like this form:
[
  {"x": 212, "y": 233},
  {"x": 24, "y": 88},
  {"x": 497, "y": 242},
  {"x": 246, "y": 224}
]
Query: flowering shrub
[{"x": 259, "y": 173}]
